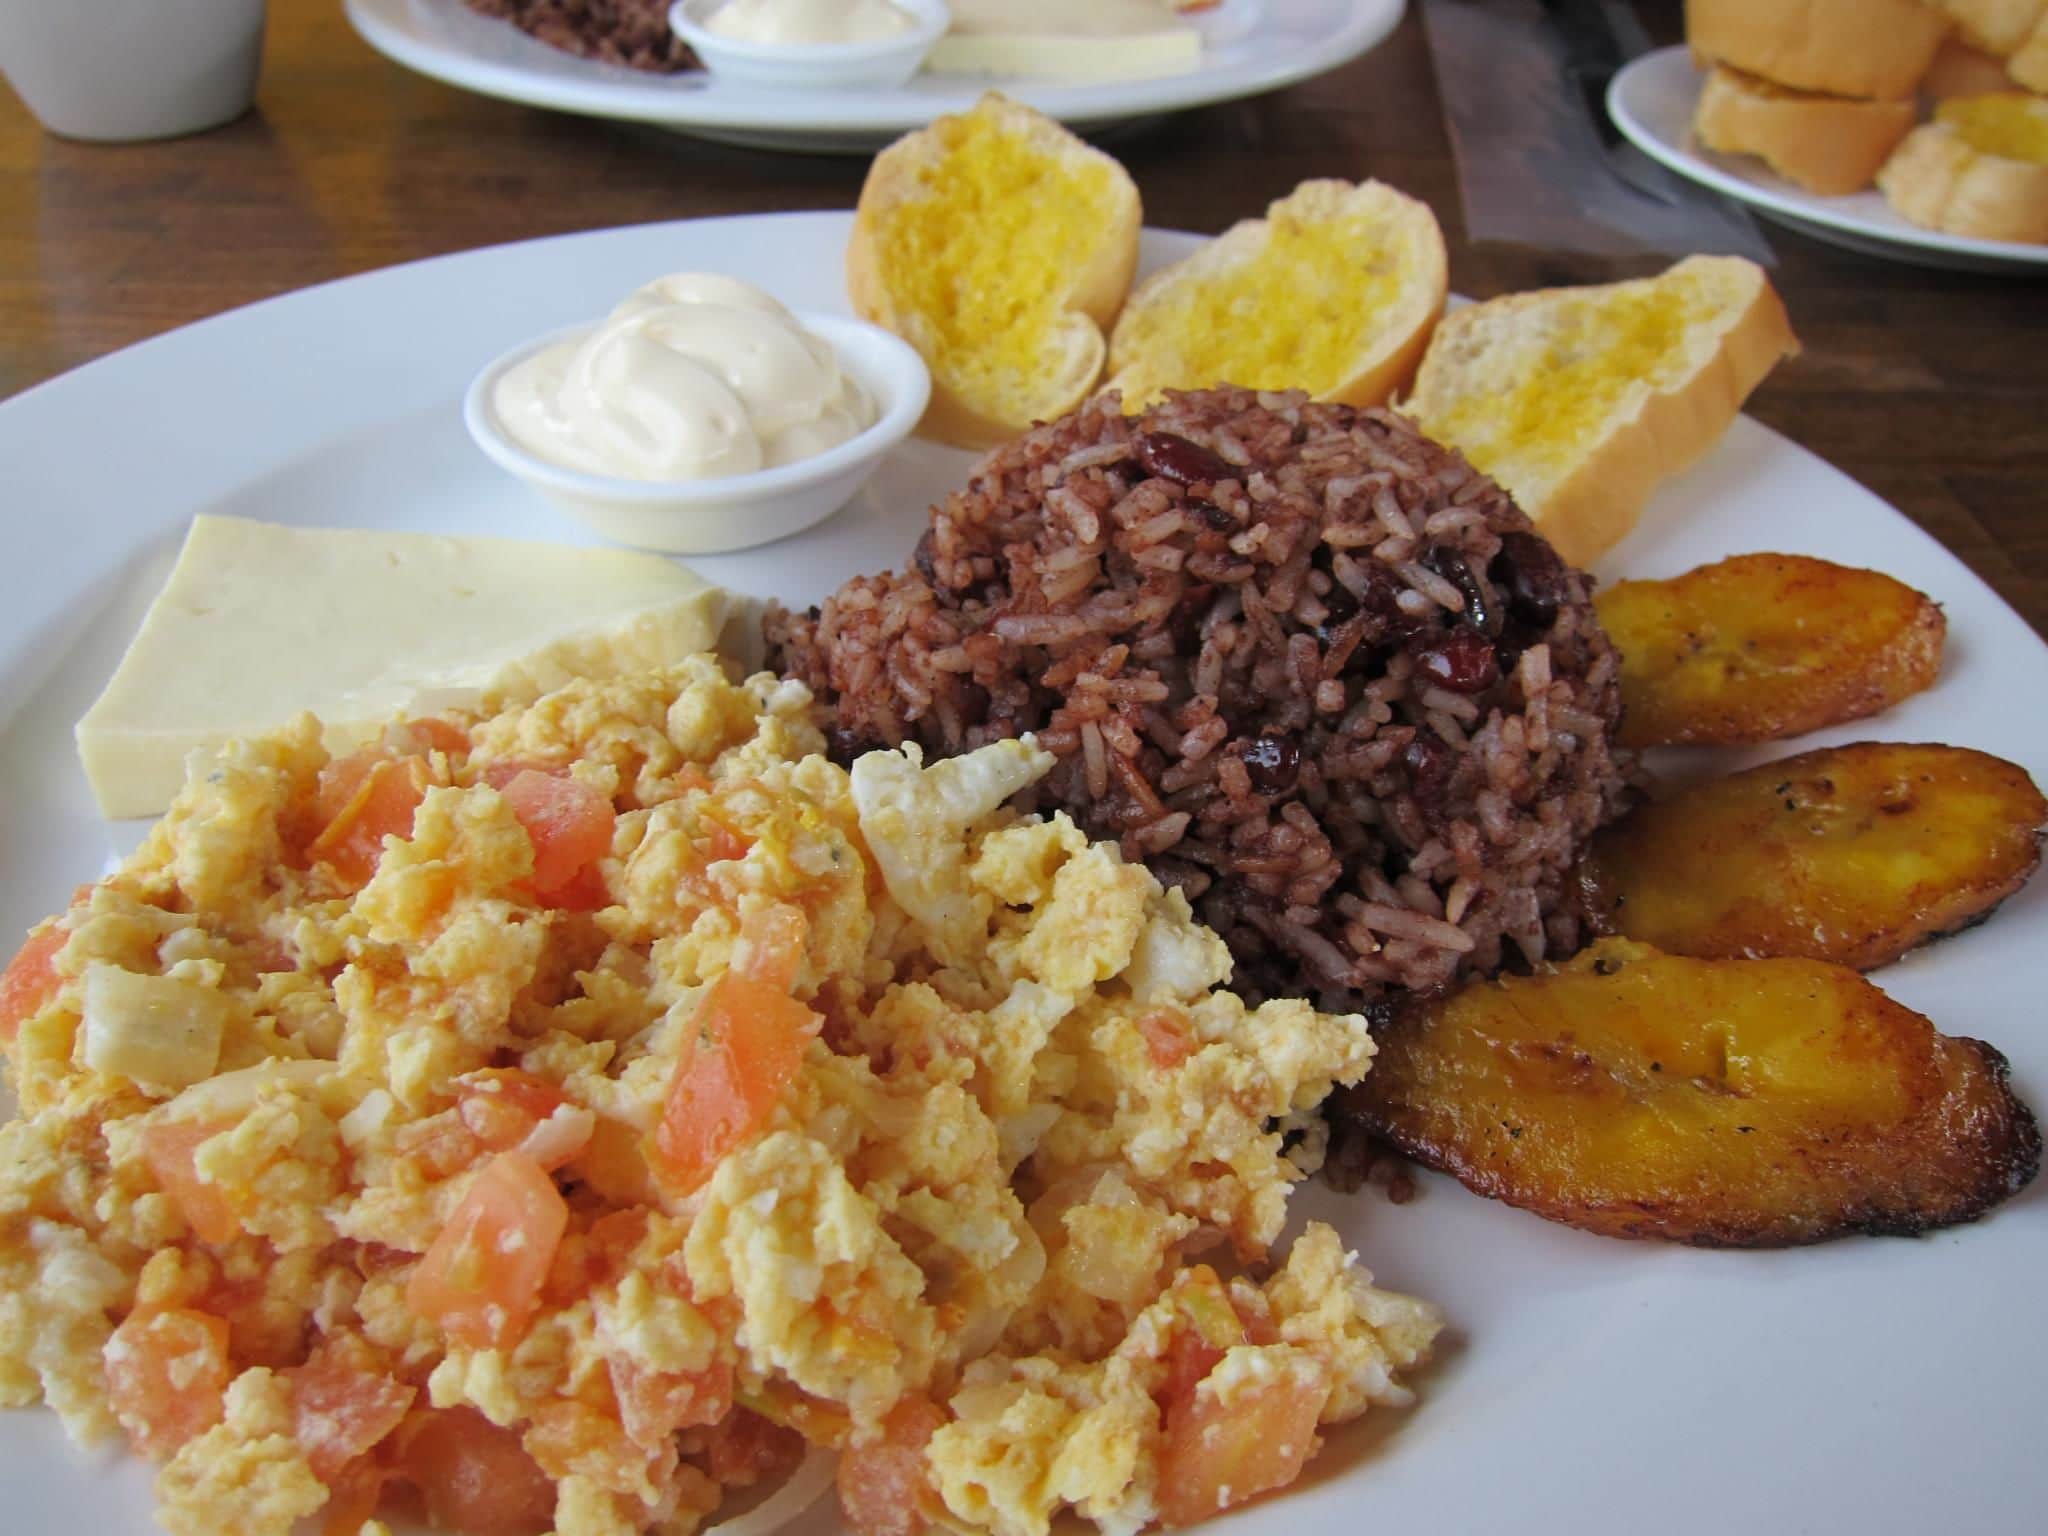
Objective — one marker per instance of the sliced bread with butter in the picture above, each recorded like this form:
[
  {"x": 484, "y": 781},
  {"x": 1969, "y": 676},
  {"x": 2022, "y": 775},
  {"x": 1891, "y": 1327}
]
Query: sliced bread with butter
[
  {"x": 1334, "y": 291},
  {"x": 1001, "y": 247},
  {"x": 1831, "y": 145},
  {"x": 1876, "y": 49},
  {"x": 1579, "y": 401},
  {"x": 1980, "y": 169}
]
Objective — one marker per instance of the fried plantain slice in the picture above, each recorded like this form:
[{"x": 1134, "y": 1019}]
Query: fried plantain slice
[
  {"x": 1852, "y": 854},
  {"x": 1761, "y": 647},
  {"x": 1723, "y": 1103}
]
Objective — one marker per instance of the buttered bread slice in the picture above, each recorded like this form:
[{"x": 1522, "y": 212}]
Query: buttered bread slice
[
  {"x": 1001, "y": 247},
  {"x": 1580, "y": 400},
  {"x": 1980, "y": 169},
  {"x": 1334, "y": 291},
  {"x": 258, "y": 622}
]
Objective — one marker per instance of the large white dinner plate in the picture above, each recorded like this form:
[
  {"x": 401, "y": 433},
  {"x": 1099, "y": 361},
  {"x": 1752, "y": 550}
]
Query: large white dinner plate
[
  {"x": 1652, "y": 102},
  {"x": 1250, "y": 46},
  {"x": 1592, "y": 1386}
]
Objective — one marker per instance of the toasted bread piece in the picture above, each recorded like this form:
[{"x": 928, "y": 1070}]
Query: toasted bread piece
[
  {"x": 1831, "y": 145},
  {"x": 1001, "y": 247},
  {"x": 1580, "y": 400},
  {"x": 1962, "y": 70},
  {"x": 1334, "y": 291},
  {"x": 1870, "y": 48},
  {"x": 1980, "y": 169}
]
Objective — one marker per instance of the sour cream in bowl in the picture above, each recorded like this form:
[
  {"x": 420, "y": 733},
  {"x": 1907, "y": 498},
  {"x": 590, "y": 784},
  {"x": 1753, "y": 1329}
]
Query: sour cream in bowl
[
  {"x": 811, "y": 44},
  {"x": 700, "y": 416}
]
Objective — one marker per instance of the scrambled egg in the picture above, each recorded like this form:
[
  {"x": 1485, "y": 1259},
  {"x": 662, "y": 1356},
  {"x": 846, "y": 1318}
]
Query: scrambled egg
[{"x": 842, "y": 1111}]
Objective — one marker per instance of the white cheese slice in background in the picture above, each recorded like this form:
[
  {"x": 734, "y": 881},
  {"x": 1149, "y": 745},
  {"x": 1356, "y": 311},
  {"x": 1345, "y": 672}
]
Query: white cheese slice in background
[
  {"x": 259, "y": 622},
  {"x": 1075, "y": 40}
]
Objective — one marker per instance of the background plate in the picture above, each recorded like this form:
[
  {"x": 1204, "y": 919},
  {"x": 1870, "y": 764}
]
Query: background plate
[
  {"x": 1251, "y": 46},
  {"x": 1591, "y": 1386},
  {"x": 1652, "y": 102}
]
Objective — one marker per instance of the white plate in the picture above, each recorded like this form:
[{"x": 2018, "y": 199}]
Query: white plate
[
  {"x": 1652, "y": 102},
  {"x": 1594, "y": 1386},
  {"x": 1250, "y": 46}
]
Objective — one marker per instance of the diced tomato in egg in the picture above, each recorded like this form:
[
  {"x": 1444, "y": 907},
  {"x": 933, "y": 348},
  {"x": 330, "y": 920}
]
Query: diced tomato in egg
[
  {"x": 361, "y": 800},
  {"x": 744, "y": 1448},
  {"x": 30, "y": 979},
  {"x": 653, "y": 1405},
  {"x": 474, "y": 1477},
  {"x": 439, "y": 735},
  {"x": 771, "y": 944},
  {"x": 507, "y": 1110},
  {"x": 166, "y": 1373},
  {"x": 340, "y": 1414},
  {"x": 1168, "y": 1040},
  {"x": 570, "y": 825},
  {"x": 170, "y": 1148},
  {"x": 882, "y": 1481},
  {"x": 1220, "y": 1454},
  {"x": 482, "y": 1278},
  {"x": 744, "y": 1048},
  {"x": 353, "y": 1495}
]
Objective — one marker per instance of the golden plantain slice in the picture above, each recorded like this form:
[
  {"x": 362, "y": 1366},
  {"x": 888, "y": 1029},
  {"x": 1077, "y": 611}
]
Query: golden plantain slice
[
  {"x": 1761, "y": 647},
  {"x": 1851, "y": 854},
  {"x": 1724, "y": 1103}
]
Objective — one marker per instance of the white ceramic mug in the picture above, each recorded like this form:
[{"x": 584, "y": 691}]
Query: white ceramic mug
[{"x": 132, "y": 69}]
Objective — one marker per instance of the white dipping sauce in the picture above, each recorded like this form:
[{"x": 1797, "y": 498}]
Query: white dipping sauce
[
  {"x": 808, "y": 21},
  {"x": 693, "y": 377}
]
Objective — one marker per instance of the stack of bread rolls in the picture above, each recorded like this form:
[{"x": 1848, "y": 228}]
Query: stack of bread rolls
[{"x": 1829, "y": 94}]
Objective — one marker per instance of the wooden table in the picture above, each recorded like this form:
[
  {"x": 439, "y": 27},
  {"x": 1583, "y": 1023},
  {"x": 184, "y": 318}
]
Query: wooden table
[{"x": 1927, "y": 387}]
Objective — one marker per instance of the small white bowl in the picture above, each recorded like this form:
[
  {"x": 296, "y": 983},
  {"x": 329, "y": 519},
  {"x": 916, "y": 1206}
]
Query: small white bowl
[
  {"x": 886, "y": 62},
  {"x": 715, "y": 517}
]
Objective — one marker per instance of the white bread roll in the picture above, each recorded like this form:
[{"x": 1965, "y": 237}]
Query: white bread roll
[
  {"x": 1869, "y": 48},
  {"x": 1831, "y": 145},
  {"x": 1980, "y": 169}
]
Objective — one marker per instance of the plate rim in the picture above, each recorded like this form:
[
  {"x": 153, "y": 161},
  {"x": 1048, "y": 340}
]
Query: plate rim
[
  {"x": 1799, "y": 207},
  {"x": 1629, "y": 1275},
  {"x": 1364, "y": 24}
]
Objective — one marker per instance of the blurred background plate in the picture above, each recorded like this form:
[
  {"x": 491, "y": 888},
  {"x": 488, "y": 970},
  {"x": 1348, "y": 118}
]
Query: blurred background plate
[
  {"x": 1652, "y": 102},
  {"x": 1250, "y": 47}
]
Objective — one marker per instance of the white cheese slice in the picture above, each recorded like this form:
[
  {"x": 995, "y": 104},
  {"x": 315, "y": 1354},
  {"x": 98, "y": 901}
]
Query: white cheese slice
[
  {"x": 1075, "y": 40},
  {"x": 259, "y": 622}
]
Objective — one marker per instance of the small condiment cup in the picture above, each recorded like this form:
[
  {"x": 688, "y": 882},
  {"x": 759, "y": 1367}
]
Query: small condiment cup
[
  {"x": 132, "y": 69},
  {"x": 717, "y": 516},
  {"x": 884, "y": 62}
]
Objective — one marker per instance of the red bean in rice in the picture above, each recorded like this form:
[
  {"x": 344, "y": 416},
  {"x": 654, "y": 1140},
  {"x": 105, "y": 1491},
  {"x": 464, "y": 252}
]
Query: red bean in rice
[{"x": 1309, "y": 666}]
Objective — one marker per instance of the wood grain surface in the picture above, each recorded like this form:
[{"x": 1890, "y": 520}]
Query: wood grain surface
[{"x": 1926, "y": 386}]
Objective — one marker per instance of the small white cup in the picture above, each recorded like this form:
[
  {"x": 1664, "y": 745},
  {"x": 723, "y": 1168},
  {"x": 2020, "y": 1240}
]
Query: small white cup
[
  {"x": 715, "y": 517},
  {"x": 132, "y": 69},
  {"x": 882, "y": 64}
]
